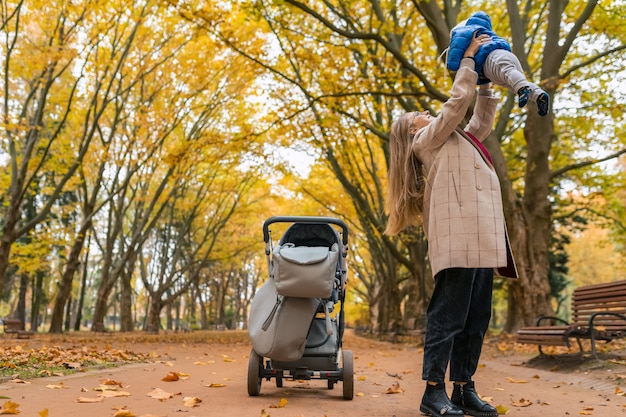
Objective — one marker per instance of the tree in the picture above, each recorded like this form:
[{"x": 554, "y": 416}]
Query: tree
[{"x": 354, "y": 65}]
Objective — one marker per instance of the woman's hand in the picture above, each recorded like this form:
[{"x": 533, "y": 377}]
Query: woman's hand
[{"x": 477, "y": 42}]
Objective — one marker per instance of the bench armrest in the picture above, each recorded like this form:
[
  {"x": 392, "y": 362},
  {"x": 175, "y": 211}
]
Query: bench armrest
[{"x": 540, "y": 319}]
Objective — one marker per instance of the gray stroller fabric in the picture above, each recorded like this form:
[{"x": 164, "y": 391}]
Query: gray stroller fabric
[{"x": 278, "y": 326}]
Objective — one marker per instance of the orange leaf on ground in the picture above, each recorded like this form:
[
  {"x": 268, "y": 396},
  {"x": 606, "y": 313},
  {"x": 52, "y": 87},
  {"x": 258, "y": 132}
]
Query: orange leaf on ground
[
  {"x": 281, "y": 404},
  {"x": 395, "y": 389},
  {"x": 170, "y": 377},
  {"x": 516, "y": 381},
  {"x": 10, "y": 407},
  {"x": 111, "y": 382}
]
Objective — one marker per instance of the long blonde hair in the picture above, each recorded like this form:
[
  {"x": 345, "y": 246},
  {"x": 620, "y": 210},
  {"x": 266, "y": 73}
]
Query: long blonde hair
[{"x": 405, "y": 193}]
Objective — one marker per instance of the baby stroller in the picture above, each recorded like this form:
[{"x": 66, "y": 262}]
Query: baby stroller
[{"x": 291, "y": 328}]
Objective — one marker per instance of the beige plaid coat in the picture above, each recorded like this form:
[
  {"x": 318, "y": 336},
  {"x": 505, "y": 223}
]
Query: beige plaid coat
[{"x": 463, "y": 214}]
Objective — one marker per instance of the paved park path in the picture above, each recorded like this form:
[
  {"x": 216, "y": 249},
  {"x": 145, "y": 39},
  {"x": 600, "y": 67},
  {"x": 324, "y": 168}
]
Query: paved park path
[{"x": 212, "y": 381}]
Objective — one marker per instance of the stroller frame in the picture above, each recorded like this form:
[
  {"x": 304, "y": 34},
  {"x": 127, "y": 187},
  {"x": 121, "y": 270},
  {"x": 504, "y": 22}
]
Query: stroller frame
[{"x": 321, "y": 359}]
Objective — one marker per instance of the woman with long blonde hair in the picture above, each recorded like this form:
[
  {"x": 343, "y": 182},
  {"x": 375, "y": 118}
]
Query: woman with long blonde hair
[{"x": 442, "y": 175}]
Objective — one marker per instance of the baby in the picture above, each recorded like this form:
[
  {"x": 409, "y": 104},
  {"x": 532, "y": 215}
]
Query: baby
[{"x": 494, "y": 61}]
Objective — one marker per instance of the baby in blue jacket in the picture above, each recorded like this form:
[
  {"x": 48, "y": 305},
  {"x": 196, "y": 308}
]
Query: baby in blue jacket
[{"x": 494, "y": 61}]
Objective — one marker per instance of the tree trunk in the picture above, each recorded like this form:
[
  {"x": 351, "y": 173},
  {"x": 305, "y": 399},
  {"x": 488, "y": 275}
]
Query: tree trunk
[
  {"x": 126, "y": 303},
  {"x": 68, "y": 314},
  {"x": 530, "y": 228},
  {"x": 153, "y": 324},
  {"x": 102, "y": 298},
  {"x": 20, "y": 312},
  {"x": 65, "y": 284},
  {"x": 83, "y": 288}
]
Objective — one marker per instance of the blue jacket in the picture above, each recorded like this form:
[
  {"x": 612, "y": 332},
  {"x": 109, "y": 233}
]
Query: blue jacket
[{"x": 461, "y": 37}]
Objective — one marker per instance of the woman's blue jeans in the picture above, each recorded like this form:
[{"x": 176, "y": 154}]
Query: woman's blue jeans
[{"x": 457, "y": 319}]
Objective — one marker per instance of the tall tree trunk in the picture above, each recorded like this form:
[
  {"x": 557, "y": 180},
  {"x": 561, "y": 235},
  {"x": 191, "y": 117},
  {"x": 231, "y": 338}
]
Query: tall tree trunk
[
  {"x": 20, "y": 312},
  {"x": 102, "y": 299},
  {"x": 126, "y": 303},
  {"x": 83, "y": 288},
  {"x": 67, "y": 279},
  {"x": 39, "y": 301},
  {"x": 68, "y": 314},
  {"x": 153, "y": 324},
  {"x": 529, "y": 296}
]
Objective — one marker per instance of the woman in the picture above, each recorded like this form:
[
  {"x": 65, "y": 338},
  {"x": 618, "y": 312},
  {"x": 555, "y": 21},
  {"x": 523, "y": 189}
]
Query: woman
[{"x": 444, "y": 174}]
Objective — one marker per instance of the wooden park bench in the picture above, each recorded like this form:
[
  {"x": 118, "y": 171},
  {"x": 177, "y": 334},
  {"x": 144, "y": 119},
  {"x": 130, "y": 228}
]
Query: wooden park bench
[
  {"x": 16, "y": 327},
  {"x": 598, "y": 313}
]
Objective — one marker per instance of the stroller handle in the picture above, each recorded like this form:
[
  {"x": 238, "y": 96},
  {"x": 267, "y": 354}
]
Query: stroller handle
[{"x": 305, "y": 219}]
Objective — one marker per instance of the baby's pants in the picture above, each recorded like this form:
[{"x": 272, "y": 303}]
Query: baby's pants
[{"x": 503, "y": 68}]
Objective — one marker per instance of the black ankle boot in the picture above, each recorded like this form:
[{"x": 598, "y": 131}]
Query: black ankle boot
[
  {"x": 436, "y": 403},
  {"x": 465, "y": 397}
]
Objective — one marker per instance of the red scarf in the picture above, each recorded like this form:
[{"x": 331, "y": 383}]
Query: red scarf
[{"x": 480, "y": 146}]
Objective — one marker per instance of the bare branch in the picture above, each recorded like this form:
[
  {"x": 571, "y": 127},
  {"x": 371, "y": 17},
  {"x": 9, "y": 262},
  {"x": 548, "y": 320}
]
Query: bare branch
[{"x": 582, "y": 164}]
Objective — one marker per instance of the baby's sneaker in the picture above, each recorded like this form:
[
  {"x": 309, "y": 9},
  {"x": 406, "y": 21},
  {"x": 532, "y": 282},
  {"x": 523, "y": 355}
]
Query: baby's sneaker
[
  {"x": 523, "y": 94},
  {"x": 543, "y": 104}
]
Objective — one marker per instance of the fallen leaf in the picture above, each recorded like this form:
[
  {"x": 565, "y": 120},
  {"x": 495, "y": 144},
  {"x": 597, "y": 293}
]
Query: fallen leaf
[
  {"x": 362, "y": 378},
  {"x": 111, "y": 382},
  {"x": 10, "y": 407},
  {"x": 43, "y": 413},
  {"x": 170, "y": 377},
  {"x": 395, "y": 389},
  {"x": 516, "y": 381},
  {"x": 20, "y": 381},
  {"x": 59, "y": 386},
  {"x": 159, "y": 394},
  {"x": 281, "y": 404},
  {"x": 72, "y": 365},
  {"x": 215, "y": 385},
  {"x": 105, "y": 388},
  {"x": 123, "y": 413},
  {"x": 522, "y": 402},
  {"x": 191, "y": 401},
  {"x": 89, "y": 400},
  {"x": 502, "y": 410},
  {"x": 265, "y": 413}
]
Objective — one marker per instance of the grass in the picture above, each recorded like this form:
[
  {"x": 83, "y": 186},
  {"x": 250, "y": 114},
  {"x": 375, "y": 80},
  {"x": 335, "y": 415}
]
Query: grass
[{"x": 54, "y": 355}]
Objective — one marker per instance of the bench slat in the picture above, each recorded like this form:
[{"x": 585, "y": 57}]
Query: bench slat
[{"x": 587, "y": 300}]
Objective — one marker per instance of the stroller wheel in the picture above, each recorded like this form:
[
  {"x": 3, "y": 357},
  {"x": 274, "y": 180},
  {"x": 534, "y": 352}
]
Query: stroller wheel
[
  {"x": 348, "y": 374},
  {"x": 255, "y": 368}
]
